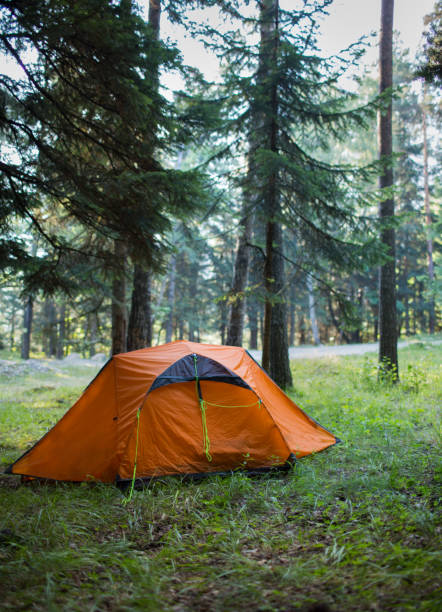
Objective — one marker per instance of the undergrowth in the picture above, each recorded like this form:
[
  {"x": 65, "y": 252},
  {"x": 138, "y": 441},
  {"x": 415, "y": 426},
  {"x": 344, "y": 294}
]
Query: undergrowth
[{"x": 356, "y": 527}]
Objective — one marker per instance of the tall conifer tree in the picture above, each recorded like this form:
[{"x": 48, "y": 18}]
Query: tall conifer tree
[
  {"x": 387, "y": 275},
  {"x": 139, "y": 333},
  {"x": 286, "y": 102}
]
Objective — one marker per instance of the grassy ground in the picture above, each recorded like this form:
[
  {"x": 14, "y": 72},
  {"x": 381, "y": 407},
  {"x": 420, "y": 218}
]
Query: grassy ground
[{"x": 353, "y": 528}]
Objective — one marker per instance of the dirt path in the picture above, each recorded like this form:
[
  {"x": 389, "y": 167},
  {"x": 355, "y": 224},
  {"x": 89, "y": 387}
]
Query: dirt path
[{"x": 311, "y": 352}]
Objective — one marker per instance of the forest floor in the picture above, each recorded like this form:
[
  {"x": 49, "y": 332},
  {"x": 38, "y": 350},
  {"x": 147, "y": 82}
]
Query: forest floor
[{"x": 354, "y": 528}]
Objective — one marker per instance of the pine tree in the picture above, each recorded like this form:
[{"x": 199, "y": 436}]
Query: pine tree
[
  {"x": 428, "y": 220},
  {"x": 287, "y": 95},
  {"x": 79, "y": 125},
  {"x": 387, "y": 276},
  {"x": 139, "y": 333}
]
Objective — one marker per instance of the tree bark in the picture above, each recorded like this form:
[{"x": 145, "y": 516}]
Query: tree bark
[
  {"x": 222, "y": 304},
  {"x": 252, "y": 315},
  {"x": 275, "y": 354},
  {"x": 415, "y": 307},
  {"x": 375, "y": 313},
  {"x": 292, "y": 316},
  {"x": 279, "y": 349},
  {"x": 261, "y": 324},
  {"x": 67, "y": 330},
  {"x": 193, "y": 288},
  {"x": 301, "y": 329},
  {"x": 406, "y": 298},
  {"x": 139, "y": 334},
  {"x": 28, "y": 314},
  {"x": 237, "y": 293},
  {"x": 154, "y": 16},
  {"x": 12, "y": 329},
  {"x": 312, "y": 311},
  {"x": 387, "y": 275},
  {"x": 93, "y": 329},
  {"x": 159, "y": 300},
  {"x": 422, "y": 318},
  {"x": 50, "y": 328},
  {"x": 180, "y": 325},
  {"x": 428, "y": 221},
  {"x": 171, "y": 299},
  {"x": 61, "y": 330},
  {"x": 119, "y": 317}
]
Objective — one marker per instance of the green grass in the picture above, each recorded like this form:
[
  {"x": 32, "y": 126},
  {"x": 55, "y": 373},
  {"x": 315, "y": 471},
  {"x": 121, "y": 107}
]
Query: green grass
[{"x": 356, "y": 527}]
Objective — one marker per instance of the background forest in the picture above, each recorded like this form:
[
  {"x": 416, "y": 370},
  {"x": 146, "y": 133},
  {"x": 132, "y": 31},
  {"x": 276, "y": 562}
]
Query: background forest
[{"x": 145, "y": 200}]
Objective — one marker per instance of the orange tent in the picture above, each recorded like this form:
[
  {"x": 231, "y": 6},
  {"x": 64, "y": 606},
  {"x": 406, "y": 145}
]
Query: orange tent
[{"x": 180, "y": 408}]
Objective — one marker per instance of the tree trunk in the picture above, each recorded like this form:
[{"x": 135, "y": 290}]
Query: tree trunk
[
  {"x": 27, "y": 327},
  {"x": 242, "y": 260},
  {"x": 180, "y": 324},
  {"x": 67, "y": 330},
  {"x": 45, "y": 327},
  {"x": 406, "y": 297},
  {"x": 387, "y": 274},
  {"x": 154, "y": 16},
  {"x": 301, "y": 329},
  {"x": 159, "y": 300},
  {"x": 275, "y": 354},
  {"x": 193, "y": 289},
  {"x": 292, "y": 316},
  {"x": 428, "y": 222},
  {"x": 375, "y": 313},
  {"x": 223, "y": 320},
  {"x": 171, "y": 299},
  {"x": 93, "y": 329},
  {"x": 312, "y": 310},
  {"x": 335, "y": 321},
  {"x": 422, "y": 318},
  {"x": 139, "y": 333},
  {"x": 357, "y": 335},
  {"x": 252, "y": 314},
  {"x": 49, "y": 328},
  {"x": 407, "y": 315},
  {"x": 261, "y": 325},
  {"x": 415, "y": 308},
  {"x": 61, "y": 330},
  {"x": 12, "y": 328},
  {"x": 52, "y": 329},
  {"x": 119, "y": 320},
  {"x": 237, "y": 293},
  {"x": 275, "y": 317}
]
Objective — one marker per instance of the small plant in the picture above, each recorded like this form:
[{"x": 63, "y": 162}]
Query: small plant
[
  {"x": 379, "y": 373},
  {"x": 384, "y": 373},
  {"x": 413, "y": 379},
  {"x": 387, "y": 372}
]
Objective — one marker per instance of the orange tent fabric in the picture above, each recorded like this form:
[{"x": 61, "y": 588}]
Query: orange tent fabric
[{"x": 179, "y": 408}]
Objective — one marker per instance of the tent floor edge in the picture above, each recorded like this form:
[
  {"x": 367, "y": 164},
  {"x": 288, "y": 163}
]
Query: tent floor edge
[{"x": 141, "y": 482}]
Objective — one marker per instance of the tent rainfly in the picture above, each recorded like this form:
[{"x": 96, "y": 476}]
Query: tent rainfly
[{"x": 179, "y": 408}]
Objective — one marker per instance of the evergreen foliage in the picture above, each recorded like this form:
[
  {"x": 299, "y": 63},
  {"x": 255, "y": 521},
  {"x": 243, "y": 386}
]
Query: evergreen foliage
[
  {"x": 284, "y": 106},
  {"x": 95, "y": 151},
  {"x": 431, "y": 69},
  {"x": 78, "y": 126}
]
